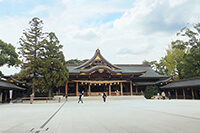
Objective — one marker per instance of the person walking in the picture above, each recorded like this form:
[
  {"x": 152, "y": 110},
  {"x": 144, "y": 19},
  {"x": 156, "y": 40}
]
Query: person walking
[
  {"x": 80, "y": 98},
  {"x": 158, "y": 94},
  {"x": 104, "y": 96},
  {"x": 66, "y": 97}
]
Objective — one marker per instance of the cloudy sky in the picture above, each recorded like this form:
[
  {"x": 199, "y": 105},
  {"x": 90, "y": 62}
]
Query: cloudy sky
[{"x": 126, "y": 31}]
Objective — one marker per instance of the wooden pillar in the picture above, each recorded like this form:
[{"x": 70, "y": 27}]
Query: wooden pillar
[
  {"x": 176, "y": 93},
  {"x": 0, "y": 96},
  {"x": 121, "y": 88},
  {"x": 136, "y": 90},
  {"x": 89, "y": 89},
  {"x": 192, "y": 93},
  {"x": 76, "y": 88},
  {"x": 183, "y": 93},
  {"x": 66, "y": 89},
  {"x": 109, "y": 90},
  {"x": 6, "y": 96},
  {"x": 131, "y": 88}
]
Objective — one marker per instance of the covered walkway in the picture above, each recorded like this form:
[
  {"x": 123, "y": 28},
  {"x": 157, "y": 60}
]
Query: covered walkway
[{"x": 184, "y": 89}]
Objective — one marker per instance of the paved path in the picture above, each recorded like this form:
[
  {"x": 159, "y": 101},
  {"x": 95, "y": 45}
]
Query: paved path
[{"x": 114, "y": 116}]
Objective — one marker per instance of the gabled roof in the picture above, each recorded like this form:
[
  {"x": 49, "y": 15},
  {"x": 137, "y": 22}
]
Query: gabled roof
[
  {"x": 97, "y": 59},
  {"x": 98, "y": 63},
  {"x": 183, "y": 83}
]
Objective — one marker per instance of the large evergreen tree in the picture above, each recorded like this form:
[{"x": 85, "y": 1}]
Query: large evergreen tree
[
  {"x": 30, "y": 50},
  {"x": 7, "y": 55},
  {"x": 53, "y": 71},
  {"x": 43, "y": 60}
]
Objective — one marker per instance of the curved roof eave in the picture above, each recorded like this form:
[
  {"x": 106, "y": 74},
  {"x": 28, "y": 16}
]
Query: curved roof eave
[{"x": 101, "y": 67}]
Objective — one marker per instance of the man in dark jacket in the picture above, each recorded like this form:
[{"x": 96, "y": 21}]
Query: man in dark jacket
[
  {"x": 104, "y": 97},
  {"x": 80, "y": 98}
]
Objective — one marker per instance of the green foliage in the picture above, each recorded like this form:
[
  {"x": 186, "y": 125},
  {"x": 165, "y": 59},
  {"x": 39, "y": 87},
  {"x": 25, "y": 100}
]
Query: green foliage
[
  {"x": 183, "y": 56},
  {"x": 52, "y": 68},
  {"x": 157, "y": 67},
  {"x": 174, "y": 61},
  {"x": 191, "y": 66},
  {"x": 191, "y": 43},
  {"x": 76, "y": 61},
  {"x": 150, "y": 91},
  {"x": 7, "y": 55}
]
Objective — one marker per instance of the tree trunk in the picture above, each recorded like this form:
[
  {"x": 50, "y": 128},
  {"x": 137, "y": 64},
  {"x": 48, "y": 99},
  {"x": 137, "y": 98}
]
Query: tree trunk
[
  {"x": 33, "y": 89},
  {"x": 50, "y": 90},
  {"x": 180, "y": 75}
]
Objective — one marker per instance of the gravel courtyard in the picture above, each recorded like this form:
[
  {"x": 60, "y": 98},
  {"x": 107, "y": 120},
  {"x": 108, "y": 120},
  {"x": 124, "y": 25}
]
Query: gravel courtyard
[{"x": 115, "y": 116}]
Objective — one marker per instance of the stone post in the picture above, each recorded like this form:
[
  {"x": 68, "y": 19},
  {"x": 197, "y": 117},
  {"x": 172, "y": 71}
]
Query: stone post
[{"x": 31, "y": 98}]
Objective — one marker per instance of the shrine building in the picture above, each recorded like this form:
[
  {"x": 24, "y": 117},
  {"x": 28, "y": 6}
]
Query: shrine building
[{"x": 98, "y": 75}]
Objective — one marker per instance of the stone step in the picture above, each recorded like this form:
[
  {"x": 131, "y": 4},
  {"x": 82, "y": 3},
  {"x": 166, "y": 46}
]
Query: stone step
[{"x": 95, "y": 98}]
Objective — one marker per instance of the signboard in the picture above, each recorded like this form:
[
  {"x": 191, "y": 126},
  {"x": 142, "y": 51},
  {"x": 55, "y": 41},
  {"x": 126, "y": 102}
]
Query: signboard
[{"x": 11, "y": 92}]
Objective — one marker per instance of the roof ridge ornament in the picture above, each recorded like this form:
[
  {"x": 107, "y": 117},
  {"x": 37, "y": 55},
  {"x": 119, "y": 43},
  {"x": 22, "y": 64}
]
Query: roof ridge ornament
[{"x": 98, "y": 51}]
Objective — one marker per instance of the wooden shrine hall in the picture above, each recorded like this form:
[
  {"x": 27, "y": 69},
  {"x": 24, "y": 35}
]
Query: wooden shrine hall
[{"x": 97, "y": 75}]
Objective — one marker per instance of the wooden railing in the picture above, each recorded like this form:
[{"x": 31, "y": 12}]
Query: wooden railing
[{"x": 38, "y": 98}]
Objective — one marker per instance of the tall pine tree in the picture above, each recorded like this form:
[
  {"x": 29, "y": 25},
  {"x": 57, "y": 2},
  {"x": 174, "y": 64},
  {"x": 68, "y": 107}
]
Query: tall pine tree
[
  {"x": 43, "y": 60},
  {"x": 30, "y": 50}
]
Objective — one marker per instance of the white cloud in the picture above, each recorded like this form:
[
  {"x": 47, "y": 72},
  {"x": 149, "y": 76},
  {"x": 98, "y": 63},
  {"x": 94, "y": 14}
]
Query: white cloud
[
  {"x": 174, "y": 3},
  {"x": 66, "y": 1},
  {"x": 84, "y": 34},
  {"x": 39, "y": 9},
  {"x": 143, "y": 31}
]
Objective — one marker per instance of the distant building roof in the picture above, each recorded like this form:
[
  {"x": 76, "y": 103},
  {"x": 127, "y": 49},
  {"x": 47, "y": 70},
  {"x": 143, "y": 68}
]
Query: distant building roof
[
  {"x": 183, "y": 83},
  {"x": 4, "y": 85},
  {"x": 155, "y": 83}
]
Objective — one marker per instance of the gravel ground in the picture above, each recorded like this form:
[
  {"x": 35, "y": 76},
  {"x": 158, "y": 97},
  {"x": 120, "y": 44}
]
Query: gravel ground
[{"x": 117, "y": 115}]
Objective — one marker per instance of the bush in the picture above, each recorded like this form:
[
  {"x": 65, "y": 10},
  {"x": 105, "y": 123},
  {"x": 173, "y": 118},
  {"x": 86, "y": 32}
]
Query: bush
[
  {"x": 41, "y": 94},
  {"x": 150, "y": 91}
]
